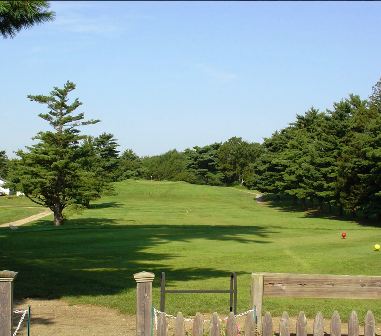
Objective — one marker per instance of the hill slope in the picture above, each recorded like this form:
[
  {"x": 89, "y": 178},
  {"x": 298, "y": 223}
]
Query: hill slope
[{"x": 197, "y": 235}]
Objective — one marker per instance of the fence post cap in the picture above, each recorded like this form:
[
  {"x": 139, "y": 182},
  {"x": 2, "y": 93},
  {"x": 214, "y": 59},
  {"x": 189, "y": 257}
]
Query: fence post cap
[
  {"x": 144, "y": 276},
  {"x": 7, "y": 275}
]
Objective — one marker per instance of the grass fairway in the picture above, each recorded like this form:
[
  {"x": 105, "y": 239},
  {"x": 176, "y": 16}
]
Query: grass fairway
[
  {"x": 197, "y": 235},
  {"x": 14, "y": 208}
]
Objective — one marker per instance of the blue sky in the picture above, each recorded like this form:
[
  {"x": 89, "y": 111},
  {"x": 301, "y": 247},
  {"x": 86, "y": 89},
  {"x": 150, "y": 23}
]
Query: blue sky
[{"x": 175, "y": 75}]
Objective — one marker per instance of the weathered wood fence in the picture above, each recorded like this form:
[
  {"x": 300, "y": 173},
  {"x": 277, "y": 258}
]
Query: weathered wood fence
[
  {"x": 301, "y": 285},
  {"x": 318, "y": 325},
  {"x": 6, "y": 302},
  {"x": 216, "y": 326},
  {"x": 312, "y": 286}
]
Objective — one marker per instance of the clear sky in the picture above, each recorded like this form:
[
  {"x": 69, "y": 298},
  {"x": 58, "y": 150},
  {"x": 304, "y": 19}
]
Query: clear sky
[{"x": 175, "y": 75}]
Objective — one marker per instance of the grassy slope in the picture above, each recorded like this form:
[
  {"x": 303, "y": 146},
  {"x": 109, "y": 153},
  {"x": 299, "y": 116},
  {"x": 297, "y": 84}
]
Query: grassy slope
[
  {"x": 14, "y": 208},
  {"x": 197, "y": 234}
]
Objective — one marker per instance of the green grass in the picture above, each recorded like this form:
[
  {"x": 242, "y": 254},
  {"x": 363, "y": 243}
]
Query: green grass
[
  {"x": 14, "y": 208},
  {"x": 197, "y": 235}
]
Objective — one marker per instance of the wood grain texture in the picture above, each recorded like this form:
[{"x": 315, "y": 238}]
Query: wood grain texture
[
  {"x": 353, "y": 324},
  {"x": 143, "y": 308},
  {"x": 6, "y": 302},
  {"x": 198, "y": 325},
  {"x": 301, "y": 325},
  {"x": 161, "y": 325},
  {"x": 336, "y": 324},
  {"x": 250, "y": 325},
  {"x": 267, "y": 325},
  {"x": 257, "y": 297},
  {"x": 370, "y": 324},
  {"x": 320, "y": 285},
  {"x": 231, "y": 325},
  {"x": 319, "y": 325},
  {"x": 284, "y": 325},
  {"x": 179, "y": 325},
  {"x": 215, "y": 327}
]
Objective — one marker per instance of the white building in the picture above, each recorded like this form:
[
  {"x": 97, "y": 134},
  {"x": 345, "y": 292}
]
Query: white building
[{"x": 3, "y": 191}]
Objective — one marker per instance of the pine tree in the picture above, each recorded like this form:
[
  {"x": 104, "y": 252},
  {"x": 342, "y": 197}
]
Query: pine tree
[
  {"x": 16, "y": 15},
  {"x": 3, "y": 164},
  {"x": 105, "y": 146},
  {"x": 51, "y": 172}
]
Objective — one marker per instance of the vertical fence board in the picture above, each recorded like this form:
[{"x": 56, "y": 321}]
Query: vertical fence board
[
  {"x": 215, "y": 325},
  {"x": 161, "y": 325},
  {"x": 353, "y": 325},
  {"x": 267, "y": 325},
  {"x": 319, "y": 325},
  {"x": 231, "y": 325},
  {"x": 284, "y": 329},
  {"x": 257, "y": 297},
  {"x": 250, "y": 325},
  {"x": 198, "y": 325},
  {"x": 370, "y": 324},
  {"x": 179, "y": 325},
  {"x": 301, "y": 325},
  {"x": 335, "y": 324}
]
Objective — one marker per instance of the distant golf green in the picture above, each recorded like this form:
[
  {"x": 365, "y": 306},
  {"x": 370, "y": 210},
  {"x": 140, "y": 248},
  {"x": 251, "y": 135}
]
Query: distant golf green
[{"x": 197, "y": 235}]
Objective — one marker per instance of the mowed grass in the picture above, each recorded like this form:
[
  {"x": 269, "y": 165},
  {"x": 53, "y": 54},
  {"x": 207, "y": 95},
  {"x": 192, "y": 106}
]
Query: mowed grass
[
  {"x": 14, "y": 208},
  {"x": 197, "y": 235}
]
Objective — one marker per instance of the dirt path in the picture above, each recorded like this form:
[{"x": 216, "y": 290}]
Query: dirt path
[
  {"x": 258, "y": 196},
  {"x": 57, "y": 318},
  {"x": 27, "y": 219}
]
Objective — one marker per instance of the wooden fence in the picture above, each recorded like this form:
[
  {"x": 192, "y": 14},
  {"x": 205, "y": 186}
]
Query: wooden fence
[
  {"x": 216, "y": 326},
  {"x": 149, "y": 321},
  {"x": 6, "y": 302},
  {"x": 312, "y": 286}
]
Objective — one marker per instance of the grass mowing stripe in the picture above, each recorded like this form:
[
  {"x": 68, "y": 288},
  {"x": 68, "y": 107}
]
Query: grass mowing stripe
[{"x": 197, "y": 235}]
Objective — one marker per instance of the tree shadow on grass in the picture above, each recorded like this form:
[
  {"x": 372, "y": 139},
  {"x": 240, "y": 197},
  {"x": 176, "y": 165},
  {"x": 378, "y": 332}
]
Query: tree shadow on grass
[
  {"x": 94, "y": 256},
  {"x": 287, "y": 205},
  {"x": 105, "y": 205}
]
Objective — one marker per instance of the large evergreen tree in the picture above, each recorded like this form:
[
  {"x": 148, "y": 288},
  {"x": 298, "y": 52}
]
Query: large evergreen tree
[
  {"x": 202, "y": 162},
  {"x": 16, "y": 15},
  {"x": 3, "y": 164},
  {"x": 105, "y": 146},
  {"x": 130, "y": 166},
  {"x": 51, "y": 172}
]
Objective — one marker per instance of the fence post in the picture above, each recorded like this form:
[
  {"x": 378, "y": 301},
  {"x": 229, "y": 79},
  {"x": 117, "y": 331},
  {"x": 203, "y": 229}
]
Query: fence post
[
  {"x": 6, "y": 302},
  {"x": 143, "y": 303},
  {"x": 257, "y": 297}
]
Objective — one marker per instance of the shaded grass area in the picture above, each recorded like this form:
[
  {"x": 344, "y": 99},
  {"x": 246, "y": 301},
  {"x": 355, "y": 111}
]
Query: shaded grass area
[
  {"x": 197, "y": 235},
  {"x": 14, "y": 208}
]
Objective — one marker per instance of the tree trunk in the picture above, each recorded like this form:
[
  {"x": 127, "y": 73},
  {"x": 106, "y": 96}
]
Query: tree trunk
[
  {"x": 304, "y": 203},
  {"x": 58, "y": 216},
  {"x": 341, "y": 210}
]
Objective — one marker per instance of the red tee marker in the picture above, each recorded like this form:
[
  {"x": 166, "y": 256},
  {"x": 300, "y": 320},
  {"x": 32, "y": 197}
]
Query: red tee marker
[{"x": 343, "y": 235}]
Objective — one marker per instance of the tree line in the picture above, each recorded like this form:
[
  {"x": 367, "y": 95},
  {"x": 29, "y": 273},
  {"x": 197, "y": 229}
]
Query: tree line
[
  {"x": 326, "y": 159},
  {"x": 329, "y": 159}
]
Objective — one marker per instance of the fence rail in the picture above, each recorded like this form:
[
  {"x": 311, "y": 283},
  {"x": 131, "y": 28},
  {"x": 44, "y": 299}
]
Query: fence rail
[
  {"x": 233, "y": 291},
  {"x": 149, "y": 320}
]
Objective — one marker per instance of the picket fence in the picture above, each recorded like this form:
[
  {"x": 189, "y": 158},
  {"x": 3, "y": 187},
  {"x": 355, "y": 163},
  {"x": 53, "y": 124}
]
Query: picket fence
[
  {"x": 149, "y": 321},
  {"x": 217, "y": 328}
]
